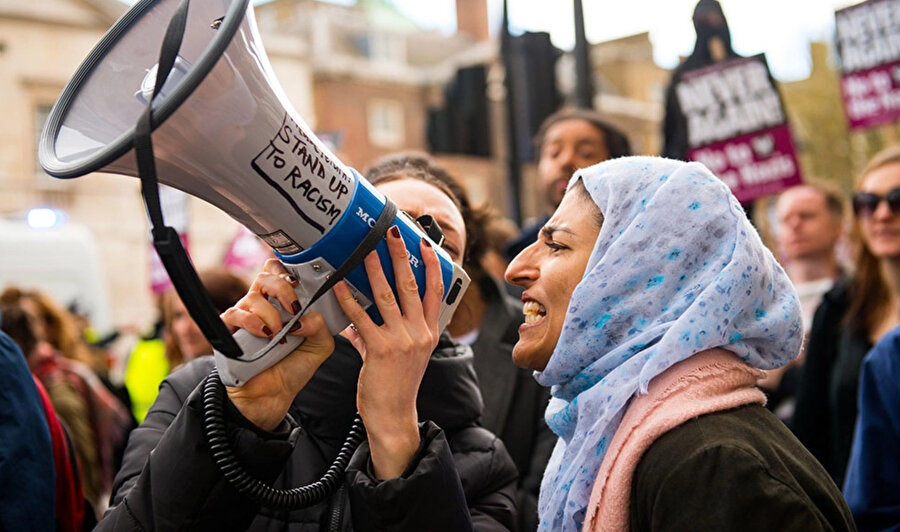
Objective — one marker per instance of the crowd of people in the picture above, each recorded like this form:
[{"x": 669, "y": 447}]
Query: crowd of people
[
  {"x": 561, "y": 409},
  {"x": 607, "y": 369}
]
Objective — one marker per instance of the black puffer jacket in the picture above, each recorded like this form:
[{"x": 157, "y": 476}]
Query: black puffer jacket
[
  {"x": 461, "y": 478},
  {"x": 826, "y": 409}
]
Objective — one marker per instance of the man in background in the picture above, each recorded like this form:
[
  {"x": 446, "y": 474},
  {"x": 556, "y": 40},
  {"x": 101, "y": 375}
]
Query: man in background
[
  {"x": 810, "y": 224},
  {"x": 567, "y": 140}
]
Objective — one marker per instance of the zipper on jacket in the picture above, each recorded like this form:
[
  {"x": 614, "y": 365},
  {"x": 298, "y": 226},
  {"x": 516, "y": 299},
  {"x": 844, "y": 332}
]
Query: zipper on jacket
[{"x": 337, "y": 510}]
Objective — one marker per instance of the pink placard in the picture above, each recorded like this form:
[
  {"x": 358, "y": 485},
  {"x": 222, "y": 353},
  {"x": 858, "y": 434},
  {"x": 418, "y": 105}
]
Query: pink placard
[
  {"x": 246, "y": 252},
  {"x": 737, "y": 127},
  {"x": 872, "y": 98},
  {"x": 753, "y": 165},
  {"x": 868, "y": 42}
]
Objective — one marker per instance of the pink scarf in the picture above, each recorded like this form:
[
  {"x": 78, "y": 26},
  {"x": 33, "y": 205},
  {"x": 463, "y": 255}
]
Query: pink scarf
[{"x": 710, "y": 381}]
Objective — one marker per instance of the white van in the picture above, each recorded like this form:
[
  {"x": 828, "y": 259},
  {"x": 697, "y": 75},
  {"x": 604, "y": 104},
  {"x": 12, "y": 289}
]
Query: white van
[{"x": 62, "y": 261}]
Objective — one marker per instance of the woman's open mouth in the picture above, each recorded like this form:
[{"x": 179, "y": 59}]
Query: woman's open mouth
[{"x": 534, "y": 312}]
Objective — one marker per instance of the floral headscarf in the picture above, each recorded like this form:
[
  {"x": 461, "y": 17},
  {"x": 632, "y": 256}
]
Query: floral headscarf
[{"x": 676, "y": 269}]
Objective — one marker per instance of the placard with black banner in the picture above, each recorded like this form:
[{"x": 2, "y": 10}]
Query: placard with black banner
[
  {"x": 868, "y": 42},
  {"x": 737, "y": 127}
]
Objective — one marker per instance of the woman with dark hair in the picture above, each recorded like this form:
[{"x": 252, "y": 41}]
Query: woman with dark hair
[
  {"x": 487, "y": 320},
  {"x": 55, "y": 324},
  {"x": 651, "y": 305},
  {"x": 852, "y": 317}
]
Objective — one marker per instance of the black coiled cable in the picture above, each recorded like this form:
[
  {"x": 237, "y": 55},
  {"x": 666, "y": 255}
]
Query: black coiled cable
[{"x": 233, "y": 471}]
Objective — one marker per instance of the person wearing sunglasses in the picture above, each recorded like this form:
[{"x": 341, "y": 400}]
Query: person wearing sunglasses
[{"x": 852, "y": 317}]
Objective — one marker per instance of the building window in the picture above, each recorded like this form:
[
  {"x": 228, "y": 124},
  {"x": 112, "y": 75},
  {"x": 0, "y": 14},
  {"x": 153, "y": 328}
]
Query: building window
[
  {"x": 385, "y": 123},
  {"x": 386, "y": 48}
]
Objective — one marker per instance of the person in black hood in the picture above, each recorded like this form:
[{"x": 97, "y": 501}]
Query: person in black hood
[
  {"x": 713, "y": 45},
  {"x": 427, "y": 464}
]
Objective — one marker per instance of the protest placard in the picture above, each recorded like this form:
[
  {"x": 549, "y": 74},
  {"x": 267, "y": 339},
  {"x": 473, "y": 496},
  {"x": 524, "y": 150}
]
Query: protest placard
[
  {"x": 737, "y": 127},
  {"x": 868, "y": 42}
]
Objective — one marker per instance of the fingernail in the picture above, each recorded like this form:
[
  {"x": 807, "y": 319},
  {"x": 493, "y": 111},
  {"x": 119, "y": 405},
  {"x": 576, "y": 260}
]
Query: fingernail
[
  {"x": 283, "y": 340},
  {"x": 267, "y": 331},
  {"x": 291, "y": 279},
  {"x": 426, "y": 241},
  {"x": 295, "y": 327},
  {"x": 395, "y": 231},
  {"x": 295, "y": 307}
]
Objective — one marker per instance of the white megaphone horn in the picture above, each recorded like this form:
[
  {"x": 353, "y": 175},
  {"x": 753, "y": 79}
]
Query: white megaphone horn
[{"x": 224, "y": 131}]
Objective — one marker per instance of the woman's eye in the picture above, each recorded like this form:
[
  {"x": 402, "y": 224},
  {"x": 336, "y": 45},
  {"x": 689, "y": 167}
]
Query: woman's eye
[{"x": 554, "y": 247}]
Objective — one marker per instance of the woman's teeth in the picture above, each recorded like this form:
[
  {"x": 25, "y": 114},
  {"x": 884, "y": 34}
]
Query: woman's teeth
[{"x": 533, "y": 311}]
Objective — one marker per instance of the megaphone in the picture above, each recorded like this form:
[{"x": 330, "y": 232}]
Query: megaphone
[{"x": 225, "y": 132}]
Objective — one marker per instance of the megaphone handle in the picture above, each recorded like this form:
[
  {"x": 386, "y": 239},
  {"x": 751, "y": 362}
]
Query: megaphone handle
[{"x": 259, "y": 353}]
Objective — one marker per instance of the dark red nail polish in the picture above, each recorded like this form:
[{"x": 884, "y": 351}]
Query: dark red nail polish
[
  {"x": 395, "y": 231},
  {"x": 295, "y": 307},
  {"x": 267, "y": 331},
  {"x": 295, "y": 327},
  {"x": 283, "y": 340},
  {"x": 426, "y": 242}
]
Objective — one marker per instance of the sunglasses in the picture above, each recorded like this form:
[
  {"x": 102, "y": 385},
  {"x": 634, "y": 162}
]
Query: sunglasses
[{"x": 865, "y": 203}]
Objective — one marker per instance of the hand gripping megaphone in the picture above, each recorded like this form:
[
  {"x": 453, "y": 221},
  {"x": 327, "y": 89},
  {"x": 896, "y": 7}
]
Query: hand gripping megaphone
[{"x": 224, "y": 131}]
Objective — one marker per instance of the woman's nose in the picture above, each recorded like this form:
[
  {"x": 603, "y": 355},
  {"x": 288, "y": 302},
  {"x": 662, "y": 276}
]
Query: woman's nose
[
  {"x": 882, "y": 210},
  {"x": 522, "y": 270}
]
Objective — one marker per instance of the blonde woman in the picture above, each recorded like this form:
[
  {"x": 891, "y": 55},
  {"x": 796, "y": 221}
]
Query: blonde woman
[{"x": 852, "y": 317}]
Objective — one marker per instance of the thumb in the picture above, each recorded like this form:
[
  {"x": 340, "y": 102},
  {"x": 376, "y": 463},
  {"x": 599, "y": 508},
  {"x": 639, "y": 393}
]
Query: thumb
[
  {"x": 318, "y": 339},
  {"x": 351, "y": 334}
]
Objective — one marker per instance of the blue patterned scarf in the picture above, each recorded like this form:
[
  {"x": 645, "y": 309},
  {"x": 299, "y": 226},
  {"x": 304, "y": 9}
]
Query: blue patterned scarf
[{"x": 676, "y": 269}]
